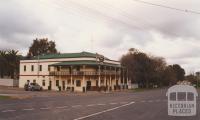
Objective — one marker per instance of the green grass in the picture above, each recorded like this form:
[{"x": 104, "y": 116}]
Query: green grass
[{"x": 4, "y": 97}]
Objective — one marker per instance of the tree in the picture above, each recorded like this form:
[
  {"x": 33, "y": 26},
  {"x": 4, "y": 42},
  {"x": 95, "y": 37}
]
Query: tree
[
  {"x": 191, "y": 78},
  {"x": 179, "y": 71},
  {"x": 9, "y": 63},
  {"x": 144, "y": 69},
  {"x": 169, "y": 76},
  {"x": 42, "y": 46}
]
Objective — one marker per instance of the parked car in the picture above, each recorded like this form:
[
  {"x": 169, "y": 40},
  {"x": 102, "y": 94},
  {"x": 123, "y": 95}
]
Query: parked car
[{"x": 32, "y": 87}]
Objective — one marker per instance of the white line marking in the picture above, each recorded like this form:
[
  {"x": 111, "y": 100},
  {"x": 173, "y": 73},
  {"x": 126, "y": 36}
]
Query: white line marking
[
  {"x": 90, "y": 105},
  {"x": 101, "y": 104},
  {"x": 44, "y": 108},
  {"x": 112, "y": 103},
  {"x": 143, "y": 101},
  {"x": 8, "y": 111},
  {"x": 61, "y": 107},
  {"x": 28, "y": 109},
  {"x": 94, "y": 114},
  {"x": 74, "y": 106}
]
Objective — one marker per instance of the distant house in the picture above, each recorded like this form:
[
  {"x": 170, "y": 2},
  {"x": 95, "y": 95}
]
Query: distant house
[{"x": 81, "y": 72}]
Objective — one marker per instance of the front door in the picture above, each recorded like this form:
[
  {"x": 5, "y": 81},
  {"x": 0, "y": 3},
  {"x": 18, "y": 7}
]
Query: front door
[
  {"x": 63, "y": 85},
  {"x": 49, "y": 85},
  {"x": 88, "y": 85}
]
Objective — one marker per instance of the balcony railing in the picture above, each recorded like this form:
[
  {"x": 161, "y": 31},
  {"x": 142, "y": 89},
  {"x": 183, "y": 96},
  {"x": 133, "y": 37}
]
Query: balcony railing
[{"x": 61, "y": 73}]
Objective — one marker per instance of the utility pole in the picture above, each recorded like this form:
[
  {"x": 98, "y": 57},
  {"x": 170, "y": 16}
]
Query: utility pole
[
  {"x": 38, "y": 66},
  {"x": 198, "y": 75}
]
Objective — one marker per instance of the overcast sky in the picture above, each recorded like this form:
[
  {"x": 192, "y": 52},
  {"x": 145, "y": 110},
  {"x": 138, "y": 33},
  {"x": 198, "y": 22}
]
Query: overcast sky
[{"x": 109, "y": 27}]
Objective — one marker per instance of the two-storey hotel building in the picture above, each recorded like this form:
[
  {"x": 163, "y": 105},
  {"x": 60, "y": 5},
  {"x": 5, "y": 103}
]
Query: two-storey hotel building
[{"x": 81, "y": 72}]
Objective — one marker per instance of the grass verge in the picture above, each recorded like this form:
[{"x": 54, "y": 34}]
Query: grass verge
[{"x": 4, "y": 97}]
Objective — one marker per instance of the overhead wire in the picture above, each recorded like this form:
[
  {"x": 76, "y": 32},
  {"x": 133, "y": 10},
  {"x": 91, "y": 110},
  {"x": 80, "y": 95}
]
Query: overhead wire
[{"x": 168, "y": 7}]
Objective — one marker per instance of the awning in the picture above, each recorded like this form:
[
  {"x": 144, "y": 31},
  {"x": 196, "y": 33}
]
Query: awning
[{"x": 92, "y": 63}]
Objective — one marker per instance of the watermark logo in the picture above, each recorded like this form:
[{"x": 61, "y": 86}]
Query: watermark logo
[{"x": 182, "y": 100}]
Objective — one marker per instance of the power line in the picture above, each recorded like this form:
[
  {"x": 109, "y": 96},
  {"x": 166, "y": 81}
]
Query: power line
[{"x": 168, "y": 7}]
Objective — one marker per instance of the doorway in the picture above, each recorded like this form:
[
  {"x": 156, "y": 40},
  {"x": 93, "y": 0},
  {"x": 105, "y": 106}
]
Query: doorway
[
  {"x": 88, "y": 87},
  {"x": 63, "y": 85},
  {"x": 50, "y": 85}
]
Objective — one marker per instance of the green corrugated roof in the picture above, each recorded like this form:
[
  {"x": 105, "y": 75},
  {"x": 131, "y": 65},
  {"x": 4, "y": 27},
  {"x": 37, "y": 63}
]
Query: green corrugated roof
[
  {"x": 68, "y": 63},
  {"x": 67, "y": 55}
]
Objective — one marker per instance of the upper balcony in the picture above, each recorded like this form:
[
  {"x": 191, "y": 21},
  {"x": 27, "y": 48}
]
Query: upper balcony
[{"x": 65, "y": 73}]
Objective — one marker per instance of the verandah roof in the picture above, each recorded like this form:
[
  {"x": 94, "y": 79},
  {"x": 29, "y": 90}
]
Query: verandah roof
[{"x": 94, "y": 63}]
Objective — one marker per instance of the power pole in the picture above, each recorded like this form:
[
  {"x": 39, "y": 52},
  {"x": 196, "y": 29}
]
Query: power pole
[{"x": 198, "y": 75}]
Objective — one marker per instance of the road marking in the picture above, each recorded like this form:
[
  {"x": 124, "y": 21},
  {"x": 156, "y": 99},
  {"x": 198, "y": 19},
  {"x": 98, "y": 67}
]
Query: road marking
[
  {"x": 28, "y": 109},
  {"x": 74, "y": 106},
  {"x": 101, "y": 104},
  {"x": 45, "y": 108},
  {"x": 111, "y": 109},
  {"x": 8, "y": 111},
  {"x": 113, "y": 103},
  {"x": 61, "y": 107},
  {"x": 143, "y": 101},
  {"x": 90, "y": 105},
  {"x": 150, "y": 101}
]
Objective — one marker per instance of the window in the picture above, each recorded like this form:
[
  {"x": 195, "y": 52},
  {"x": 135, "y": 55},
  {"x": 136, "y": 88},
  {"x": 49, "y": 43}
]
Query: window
[
  {"x": 43, "y": 83},
  {"x": 49, "y": 68},
  {"x": 40, "y": 67},
  {"x": 32, "y": 67},
  {"x": 57, "y": 82},
  {"x": 24, "y": 67},
  {"x": 173, "y": 96},
  {"x": 181, "y": 96},
  {"x": 190, "y": 96},
  {"x": 78, "y": 83}
]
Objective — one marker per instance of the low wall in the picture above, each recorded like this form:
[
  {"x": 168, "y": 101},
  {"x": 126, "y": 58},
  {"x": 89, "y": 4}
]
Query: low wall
[{"x": 8, "y": 82}]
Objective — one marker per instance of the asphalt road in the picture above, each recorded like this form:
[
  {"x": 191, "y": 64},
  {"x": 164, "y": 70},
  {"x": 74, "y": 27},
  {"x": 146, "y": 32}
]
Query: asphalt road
[{"x": 147, "y": 105}]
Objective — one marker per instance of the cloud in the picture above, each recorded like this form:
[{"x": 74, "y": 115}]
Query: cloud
[
  {"x": 19, "y": 26},
  {"x": 109, "y": 27}
]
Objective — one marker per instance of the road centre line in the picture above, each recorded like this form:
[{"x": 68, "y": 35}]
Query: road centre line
[
  {"x": 61, "y": 107},
  {"x": 104, "y": 111},
  {"x": 101, "y": 104},
  {"x": 29, "y": 109},
  {"x": 8, "y": 111},
  {"x": 45, "y": 108}
]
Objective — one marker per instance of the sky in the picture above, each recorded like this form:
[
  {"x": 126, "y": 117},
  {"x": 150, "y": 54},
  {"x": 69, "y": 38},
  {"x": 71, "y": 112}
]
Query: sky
[{"x": 108, "y": 27}]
